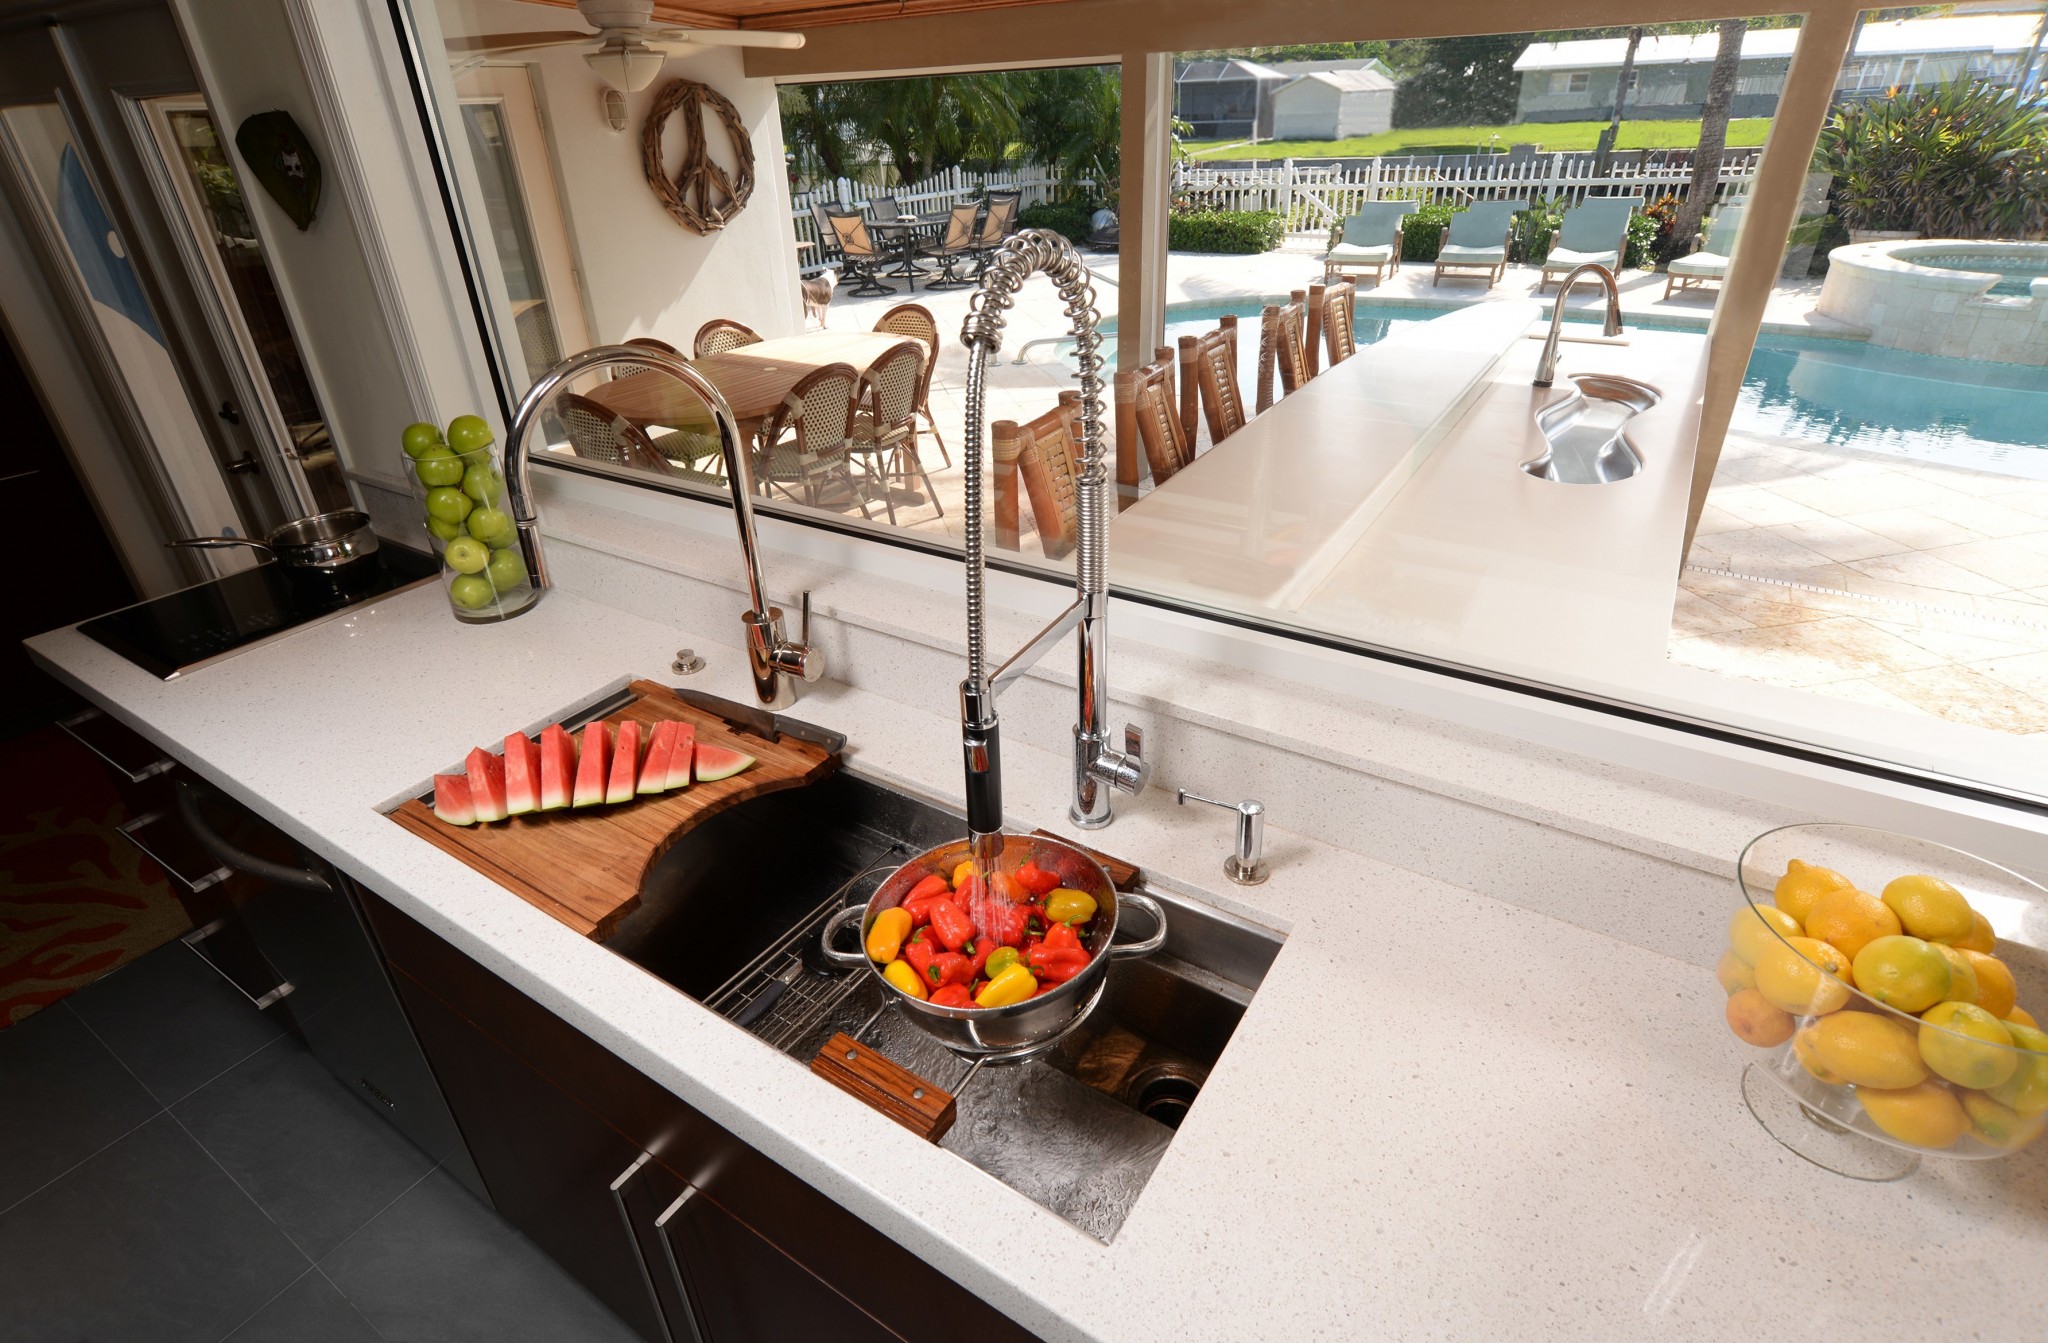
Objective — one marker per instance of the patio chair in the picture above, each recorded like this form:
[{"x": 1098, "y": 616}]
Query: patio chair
[
  {"x": 1710, "y": 262},
  {"x": 998, "y": 221},
  {"x": 885, "y": 424},
  {"x": 1477, "y": 240},
  {"x": 1208, "y": 375},
  {"x": 957, "y": 244},
  {"x": 1594, "y": 232},
  {"x": 1045, "y": 454},
  {"x": 722, "y": 334},
  {"x": 1331, "y": 332},
  {"x": 537, "y": 342},
  {"x": 1147, "y": 419},
  {"x": 916, "y": 320},
  {"x": 828, "y": 238},
  {"x": 1370, "y": 239},
  {"x": 601, "y": 435},
  {"x": 1280, "y": 347},
  {"x": 806, "y": 438},
  {"x": 885, "y": 209},
  {"x": 859, "y": 257}
]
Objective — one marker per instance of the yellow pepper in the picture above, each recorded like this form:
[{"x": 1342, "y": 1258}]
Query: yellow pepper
[
  {"x": 903, "y": 977},
  {"x": 1013, "y": 985},
  {"x": 999, "y": 960},
  {"x": 1067, "y": 905},
  {"x": 886, "y": 934},
  {"x": 962, "y": 871}
]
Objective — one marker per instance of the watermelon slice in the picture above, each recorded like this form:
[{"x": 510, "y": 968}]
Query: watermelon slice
[
  {"x": 593, "y": 765},
  {"x": 452, "y": 802},
  {"x": 487, "y": 785},
  {"x": 522, "y": 775},
  {"x": 661, "y": 749},
  {"x": 625, "y": 763},
  {"x": 719, "y": 762},
  {"x": 557, "y": 767},
  {"x": 679, "y": 759}
]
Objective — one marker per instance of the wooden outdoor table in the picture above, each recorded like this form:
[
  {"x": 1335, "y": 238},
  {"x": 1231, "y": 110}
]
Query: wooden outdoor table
[{"x": 754, "y": 379}]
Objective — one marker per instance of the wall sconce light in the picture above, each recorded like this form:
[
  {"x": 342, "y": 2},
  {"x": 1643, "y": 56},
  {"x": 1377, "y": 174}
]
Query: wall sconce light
[{"x": 615, "y": 109}]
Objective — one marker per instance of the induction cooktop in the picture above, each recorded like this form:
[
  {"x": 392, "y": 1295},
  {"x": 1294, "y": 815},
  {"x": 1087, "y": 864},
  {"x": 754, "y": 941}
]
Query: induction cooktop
[{"x": 183, "y": 631}]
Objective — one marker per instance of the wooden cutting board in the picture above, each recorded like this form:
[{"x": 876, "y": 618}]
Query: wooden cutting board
[{"x": 585, "y": 866}]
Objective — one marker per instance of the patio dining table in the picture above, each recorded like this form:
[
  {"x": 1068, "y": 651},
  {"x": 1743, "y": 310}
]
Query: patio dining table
[{"x": 903, "y": 233}]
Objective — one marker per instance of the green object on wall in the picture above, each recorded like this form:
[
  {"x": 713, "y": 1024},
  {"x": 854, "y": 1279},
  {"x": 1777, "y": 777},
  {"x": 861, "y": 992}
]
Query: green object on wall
[{"x": 283, "y": 161}]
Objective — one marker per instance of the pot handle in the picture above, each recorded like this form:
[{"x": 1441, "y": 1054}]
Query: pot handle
[
  {"x": 217, "y": 543},
  {"x": 1144, "y": 946},
  {"x": 851, "y": 960}
]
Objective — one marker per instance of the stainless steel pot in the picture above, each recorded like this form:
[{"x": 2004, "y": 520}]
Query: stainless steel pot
[
  {"x": 1022, "y": 1029},
  {"x": 324, "y": 541}
]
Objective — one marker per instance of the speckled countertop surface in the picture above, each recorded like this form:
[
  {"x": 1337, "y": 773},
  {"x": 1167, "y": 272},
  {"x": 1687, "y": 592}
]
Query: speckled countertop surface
[{"x": 1442, "y": 1117}]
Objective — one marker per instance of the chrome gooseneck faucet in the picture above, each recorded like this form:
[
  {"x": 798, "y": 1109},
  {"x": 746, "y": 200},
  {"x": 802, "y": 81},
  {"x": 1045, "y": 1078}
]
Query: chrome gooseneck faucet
[
  {"x": 1546, "y": 367},
  {"x": 1097, "y": 766},
  {"x": 776, "y": 662}
]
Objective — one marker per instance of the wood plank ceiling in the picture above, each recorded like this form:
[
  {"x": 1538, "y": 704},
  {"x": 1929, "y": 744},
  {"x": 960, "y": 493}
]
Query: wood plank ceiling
[{"x": 799, "y": 14}]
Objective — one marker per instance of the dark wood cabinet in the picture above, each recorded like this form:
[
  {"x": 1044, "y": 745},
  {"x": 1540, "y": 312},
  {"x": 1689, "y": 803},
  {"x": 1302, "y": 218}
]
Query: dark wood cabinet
[{"x": 554, "y": 1121}]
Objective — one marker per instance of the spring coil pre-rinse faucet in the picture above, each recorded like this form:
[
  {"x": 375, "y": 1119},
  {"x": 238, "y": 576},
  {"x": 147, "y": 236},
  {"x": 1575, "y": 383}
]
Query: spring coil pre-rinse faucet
[{"x": 1096, "y": 764}]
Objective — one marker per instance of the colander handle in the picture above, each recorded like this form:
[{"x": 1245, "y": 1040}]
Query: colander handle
[
  {"x": 1123, "y": 951},
  {"x": 851, "y": 960}
]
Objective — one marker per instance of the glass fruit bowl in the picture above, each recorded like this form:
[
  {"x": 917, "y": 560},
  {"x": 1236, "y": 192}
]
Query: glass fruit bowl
[
  {"x": 1888, "y": 982},
  {"x": 459, "y": 482}
]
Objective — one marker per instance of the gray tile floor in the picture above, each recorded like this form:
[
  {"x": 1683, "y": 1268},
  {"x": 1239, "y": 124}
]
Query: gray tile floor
[{"x": 175, "y": 1169}]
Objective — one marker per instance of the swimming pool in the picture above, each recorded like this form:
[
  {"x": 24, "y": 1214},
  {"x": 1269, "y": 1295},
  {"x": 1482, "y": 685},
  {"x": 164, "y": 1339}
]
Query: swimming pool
[
  {"x": 1824, "y": 393},
  {"x": 2017, "y": 265}
]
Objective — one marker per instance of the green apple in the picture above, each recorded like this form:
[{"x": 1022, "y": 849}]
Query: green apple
[
  {"x": 493, "y": 527},
  {"x": 482, "y": 483},
  {"x": 420, "y": 437},
  {"x": 507, "y": 570},
  {"x": 438, "y": 466},
  {"x": 466, "y": 555},
  {"x": 447, "y": 531},
  {"x": 467, "y": 433},
  {"x": 472, "y": 592},
  {"x": 448, "y": 504}
]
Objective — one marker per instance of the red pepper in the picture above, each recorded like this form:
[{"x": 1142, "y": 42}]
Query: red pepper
[
  {"x": 935, "y": 884},
  {"x": 1059, "y": 957},
  {"x": 951, "y": 924},
  {"x": 953, "y": 995},
  {"x": 919, "y": 951},
  {"x": 1036, "y": 879},
  {"x": 1006, "y": 923},
  {"x": 920, "y": 911},
  {"x": 978, "y": 951},
  {"x": 949, "y": 967}
]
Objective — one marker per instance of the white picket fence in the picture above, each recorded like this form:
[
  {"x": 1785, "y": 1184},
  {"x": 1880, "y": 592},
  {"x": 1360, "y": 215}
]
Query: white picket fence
[{"x": 933, "y": 195}]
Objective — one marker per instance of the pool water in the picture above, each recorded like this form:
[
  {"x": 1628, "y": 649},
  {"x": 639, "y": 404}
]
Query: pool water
[
  {"x": 1826, "y": 393},
  {"x": 2015, "y": 278}
]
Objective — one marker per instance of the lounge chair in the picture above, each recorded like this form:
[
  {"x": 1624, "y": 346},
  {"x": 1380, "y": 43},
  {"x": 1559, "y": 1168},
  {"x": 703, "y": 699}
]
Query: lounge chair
[
  {"x": 1710, "y": 262},
  {"x": 1370, "y": 239},
  {"x": 1477, "y": 240},
  {"x": 1593, "y": 233}
]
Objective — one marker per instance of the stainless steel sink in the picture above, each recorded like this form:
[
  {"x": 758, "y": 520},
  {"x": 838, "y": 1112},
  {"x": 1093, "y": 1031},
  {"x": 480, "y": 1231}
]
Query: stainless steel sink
[
  {"x": 1587, "y": 431},
  {"x": 734, "y": 908}
]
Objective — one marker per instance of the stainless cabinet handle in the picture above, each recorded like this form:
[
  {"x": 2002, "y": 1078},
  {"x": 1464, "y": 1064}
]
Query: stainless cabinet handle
[
  {"x": 196, "y": 940},
  {"x": 632, "y": 1238},
  {"x": 132, "y": 773},
  {"x": 668, "y": 1252},
  {"x": 277, "y": 874},
  {"x": 132, "y": 832}
]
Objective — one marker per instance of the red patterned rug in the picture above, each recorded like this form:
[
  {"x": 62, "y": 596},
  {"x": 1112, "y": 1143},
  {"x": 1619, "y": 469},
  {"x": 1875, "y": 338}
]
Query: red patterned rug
[{"x": 76, "y": 899}]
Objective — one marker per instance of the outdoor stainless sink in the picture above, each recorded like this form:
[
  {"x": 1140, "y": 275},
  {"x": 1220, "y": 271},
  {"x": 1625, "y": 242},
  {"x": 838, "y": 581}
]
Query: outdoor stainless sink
[{"x": 1586, "y": 431}]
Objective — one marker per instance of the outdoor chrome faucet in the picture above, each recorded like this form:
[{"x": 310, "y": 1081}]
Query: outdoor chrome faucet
[
  {"x": 1097, "y": 766},
  {"x": 776, "y": 662},
  {"x": 1546, "y": 367}
]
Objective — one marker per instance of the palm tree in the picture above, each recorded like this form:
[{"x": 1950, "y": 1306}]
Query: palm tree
[{"x": 1706, "y": 160}]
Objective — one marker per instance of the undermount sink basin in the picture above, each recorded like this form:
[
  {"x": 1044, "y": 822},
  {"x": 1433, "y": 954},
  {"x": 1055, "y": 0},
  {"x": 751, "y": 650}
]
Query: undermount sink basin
[
  {"x": 739, "y": 901},
  {"x": 1586, "y": 431}
]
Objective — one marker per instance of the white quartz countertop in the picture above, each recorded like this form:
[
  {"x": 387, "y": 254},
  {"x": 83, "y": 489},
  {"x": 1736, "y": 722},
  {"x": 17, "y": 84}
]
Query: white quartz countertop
[{"x": 1442, "y": 1116}]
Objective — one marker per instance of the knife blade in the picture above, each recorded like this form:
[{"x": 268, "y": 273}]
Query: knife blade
[{"x": 760, "y": 721}]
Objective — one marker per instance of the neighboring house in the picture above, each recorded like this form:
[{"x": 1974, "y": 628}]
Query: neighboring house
[
  {"x": 1333, "y": 105},
  {"x": 1576, "y": 81}
]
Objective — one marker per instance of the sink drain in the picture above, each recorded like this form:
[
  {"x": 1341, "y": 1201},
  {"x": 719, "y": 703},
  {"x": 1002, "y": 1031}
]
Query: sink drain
[{"x": 1165, "y": 1093}]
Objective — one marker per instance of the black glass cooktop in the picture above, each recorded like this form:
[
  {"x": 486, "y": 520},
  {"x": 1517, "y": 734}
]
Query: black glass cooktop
[{"x": 183, "y": 631}]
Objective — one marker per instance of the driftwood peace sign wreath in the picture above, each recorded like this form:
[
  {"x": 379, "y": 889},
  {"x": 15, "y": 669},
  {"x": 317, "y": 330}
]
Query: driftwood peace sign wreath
[{"x": 702, "y": 196}]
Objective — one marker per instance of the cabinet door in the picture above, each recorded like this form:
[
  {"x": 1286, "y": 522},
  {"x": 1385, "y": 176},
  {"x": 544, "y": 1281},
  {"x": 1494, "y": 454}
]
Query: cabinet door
[{"x": 549, "y": 1163}]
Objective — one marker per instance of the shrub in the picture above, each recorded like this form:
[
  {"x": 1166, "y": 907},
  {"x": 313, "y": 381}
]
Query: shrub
[
  {"x": 1960, "y": 161},
  {"x": 1642, "y": 238},
  {"x": 1070, "y": 220},
  {"x": 1529, "y": 242},
  {"x": 1236, "y": 231},
  {"x": 1423, "y": 232}
]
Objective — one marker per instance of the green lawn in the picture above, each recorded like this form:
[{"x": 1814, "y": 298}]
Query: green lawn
[{"x": 1551, "y": 135}]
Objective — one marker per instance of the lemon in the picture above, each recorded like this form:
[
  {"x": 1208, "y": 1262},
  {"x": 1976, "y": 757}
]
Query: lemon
[
  {"x": 1804, "y": 977},
  {"x": 1930, "y": 908},
  {"x": 1927, "y": 1115},
  {"x": 1902, "y": 972},
  {"x": 1997, "y": 993},
  {"x": 1755, "y": 1021},
  {"x": 1734, "y": 974},
  {"x": 1755, "y": 927},
  {"x": 1967, "y": 1045},
  {"x": 1998, "y": 1124},
  {"x": 1850, "y": 920},
  {"x": 1981, "y": 937},
  {"x": 1801, "y": 883},
  {"x": 1868, "y": 1050},
  {"x": 1802, "y": 1046},
  {"x": 1962, "y": 976},
  {"x": 2027, "y": 1089}
]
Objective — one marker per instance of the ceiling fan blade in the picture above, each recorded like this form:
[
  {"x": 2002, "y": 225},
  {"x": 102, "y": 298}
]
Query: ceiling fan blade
[
  {"x": 519, "y": 41},
  {"x": 730, "y": 37}
]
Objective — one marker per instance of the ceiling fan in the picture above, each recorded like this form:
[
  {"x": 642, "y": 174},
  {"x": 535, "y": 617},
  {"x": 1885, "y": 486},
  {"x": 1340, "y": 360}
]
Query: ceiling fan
[{"x": 629, "y": 47}]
